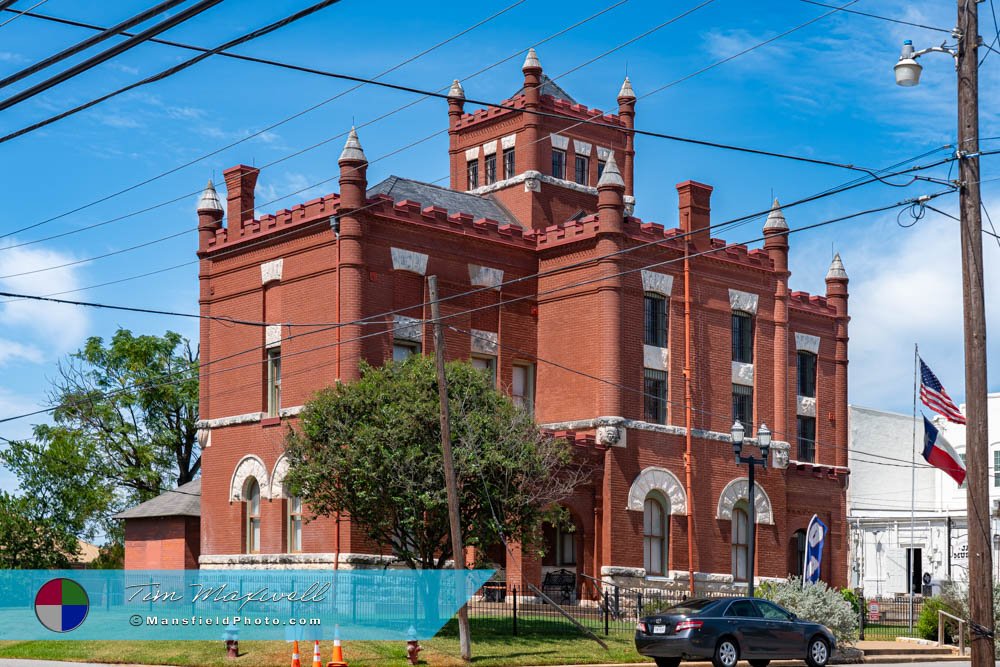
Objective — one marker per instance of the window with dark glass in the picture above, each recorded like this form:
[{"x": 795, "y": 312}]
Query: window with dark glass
[
  {"x": 743, "y": 337},
  {"x": 798, "y": 553},
  {"x": 582, "y": 169},
  {"x": 273, "y": 381},
  {"x": 656, "y": 396},
  {"x": 508, "y": 163},
  {"x": 807, "y": 439},
  {"x": 558, "y": 163},
  {"x": 600, "y": 168},
  {"x": 656, "y": 320},
  {"x": 251, "y": 514},
  {"x": 491, "y": 169},
  {"x": 807, "y": 374},
  {"x": 472, "y": 169},
  {"x": 740, "y": 542},
  {"x": 742, "y": 404}
]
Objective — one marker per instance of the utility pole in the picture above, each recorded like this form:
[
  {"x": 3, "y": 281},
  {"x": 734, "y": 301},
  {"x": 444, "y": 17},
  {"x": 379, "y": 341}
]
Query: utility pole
[
  {"x": 451, "y": 485},
  {"x": 978, "y": 499}
]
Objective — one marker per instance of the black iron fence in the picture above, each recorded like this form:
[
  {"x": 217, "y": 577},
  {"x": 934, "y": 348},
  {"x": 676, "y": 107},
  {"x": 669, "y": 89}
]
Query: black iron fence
[{"x": 885, "y": 618}]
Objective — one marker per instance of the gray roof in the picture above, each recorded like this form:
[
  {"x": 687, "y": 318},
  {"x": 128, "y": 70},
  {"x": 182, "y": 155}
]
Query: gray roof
[
  {"x": 185, "y": 500},
  {"x": 550, "y": 87},
  {"x": 454, "y": 201}
]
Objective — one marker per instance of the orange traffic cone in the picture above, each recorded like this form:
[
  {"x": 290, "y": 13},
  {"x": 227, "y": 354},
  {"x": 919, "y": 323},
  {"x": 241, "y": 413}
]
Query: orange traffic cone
[
  {"x": 296, "y": 662},
  {"x": 317, "y": 658},
  {"x": 338, "y": 650}
]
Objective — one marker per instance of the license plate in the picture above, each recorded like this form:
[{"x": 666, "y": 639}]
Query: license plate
[{"x": 659, "y": 629}]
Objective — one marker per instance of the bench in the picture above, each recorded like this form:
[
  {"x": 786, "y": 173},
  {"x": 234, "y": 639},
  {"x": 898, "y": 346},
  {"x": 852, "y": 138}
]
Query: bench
[{"x": 560, "y": 585}]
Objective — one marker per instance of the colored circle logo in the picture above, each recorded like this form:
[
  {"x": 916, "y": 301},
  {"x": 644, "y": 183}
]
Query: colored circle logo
[{"x": 61, "y": 605}]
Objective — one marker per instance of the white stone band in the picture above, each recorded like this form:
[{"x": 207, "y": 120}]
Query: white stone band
[{"x": 744, "y": 301}]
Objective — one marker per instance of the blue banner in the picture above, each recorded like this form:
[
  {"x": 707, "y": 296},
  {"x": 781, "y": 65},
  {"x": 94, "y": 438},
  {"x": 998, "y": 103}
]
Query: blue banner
[
  {"x": 815, "y": 536},
  {"x": 231, "y": 604}
]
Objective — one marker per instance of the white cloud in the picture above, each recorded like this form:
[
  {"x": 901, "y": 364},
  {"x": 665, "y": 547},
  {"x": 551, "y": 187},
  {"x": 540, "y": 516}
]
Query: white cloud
[
  {"x": 11, "y": 350},
  {"x": 10, "y": 57},
  {"x": 906, "y": 288},
  {"x": 55, "y": 329}
]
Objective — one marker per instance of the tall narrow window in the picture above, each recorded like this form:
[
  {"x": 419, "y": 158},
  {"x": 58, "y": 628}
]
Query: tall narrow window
[
  {"x": 487, "y": 365},
  {"x": 251, "y": 510},
  {"x": 273, "y": 381},
  {"x": 472, "y": 171},
  {"x": 491, "y": 168},
  {"x": 558, "y": 163},
  {"x": 798, "y": 553},
  {"x": 655, "y": 536},
  {"x": 582, "y": 164},
  {"x": 294, "y": 504},
  {"x": 742, "y": 404},
  {"x": 740, "y": 542},
  {"x": 655, "y": 395},
  {"x": 807, "y": 373},
  {"x": 996, "y": 468},
  {"x": 807, "y": 439},
  {"x": 656, "y": 320},
  {"x": 508, "y": 163},
  {"x": 965, "y": 483},
  {"x": 523, "y": 386},
  {"x": 601, "y": 164},
  {"x": 743, "y": 337}
]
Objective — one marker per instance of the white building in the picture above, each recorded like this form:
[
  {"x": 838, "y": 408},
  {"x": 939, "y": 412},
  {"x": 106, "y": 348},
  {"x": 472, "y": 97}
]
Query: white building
[{"x": 882, "y": 444}]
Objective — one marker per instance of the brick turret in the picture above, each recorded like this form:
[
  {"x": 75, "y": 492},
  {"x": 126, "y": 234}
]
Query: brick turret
[
  {"x": 626, "y": 110},
  {"x": 776, "y": 245},
  {"x": 210, "y": 214},
  {"x": 836, "y": 296},
  {"x": 350, "y": 269}
]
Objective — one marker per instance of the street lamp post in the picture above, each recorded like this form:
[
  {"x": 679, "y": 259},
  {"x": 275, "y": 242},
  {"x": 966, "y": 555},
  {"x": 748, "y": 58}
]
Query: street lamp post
[
  {"x": 907, "y": 71},
  {"x": 764, "y": 442}
]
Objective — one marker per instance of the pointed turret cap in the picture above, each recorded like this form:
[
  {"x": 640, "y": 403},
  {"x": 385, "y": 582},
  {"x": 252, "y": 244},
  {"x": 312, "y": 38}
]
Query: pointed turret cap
[
  {"x": 209, "y": 200},
  {"x": 626, "y": 91},
  {"x": 611, "y": 176},
  {"x": 776, "y": 219},
  {"x": 456, "y": 90},
  {"x": 531, "y": 61},
  {"x": 352, "y": 149},
  {"x": 837, "y": 270}
]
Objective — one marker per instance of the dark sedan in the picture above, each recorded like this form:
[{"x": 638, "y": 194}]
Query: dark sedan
[{"x": 729, "y": 630}]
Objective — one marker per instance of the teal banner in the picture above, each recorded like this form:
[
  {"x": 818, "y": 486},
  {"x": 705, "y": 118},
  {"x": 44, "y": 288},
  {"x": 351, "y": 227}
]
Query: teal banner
[{"x": 231, "y": 604}]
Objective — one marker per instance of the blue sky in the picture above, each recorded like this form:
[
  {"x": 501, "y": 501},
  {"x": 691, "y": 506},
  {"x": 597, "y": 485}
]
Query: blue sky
[{"x": 825, "y": 91}]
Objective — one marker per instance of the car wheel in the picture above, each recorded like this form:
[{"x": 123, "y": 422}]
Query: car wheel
[
  {"x": 667, "y": 662},
  {"x": 818, "y": 653},
  {"x": 727, "y": 653},
  {"x": 759, "y": 663}
]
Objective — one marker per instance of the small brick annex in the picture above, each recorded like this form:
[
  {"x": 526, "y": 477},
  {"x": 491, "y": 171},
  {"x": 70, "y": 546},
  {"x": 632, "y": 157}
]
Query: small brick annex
[{"x": 575, "y": 323}]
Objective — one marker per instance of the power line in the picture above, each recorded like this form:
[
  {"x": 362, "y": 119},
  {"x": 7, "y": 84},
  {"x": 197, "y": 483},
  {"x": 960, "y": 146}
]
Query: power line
[
  {"x": 260, "y": 32},
  {"x": 103, "y": 56},
  {"x": 19, "y": 14},
  {"x": 532, "y": 295},
  {"x": 105, "y": 33},
  {"x": 289, "y": 118},
  {"x": 876, "y": 16}
]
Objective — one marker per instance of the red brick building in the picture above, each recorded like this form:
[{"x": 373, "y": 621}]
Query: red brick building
[{"x": 594, "y": 339}]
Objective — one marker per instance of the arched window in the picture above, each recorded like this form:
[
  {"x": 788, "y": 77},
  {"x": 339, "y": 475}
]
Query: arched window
[
  {"x": 251, "y": 510},
  {"x": 741, "y": 541},
  {"x": 797, "y": 553},
  {"x": 294, "y": 524},
  {"x": 655, "y": 536}
]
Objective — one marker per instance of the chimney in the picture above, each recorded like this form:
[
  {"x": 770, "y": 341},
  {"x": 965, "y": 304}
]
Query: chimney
[
  {"x": 240, "y": 182},
  {"x": 694, "y": 208}
]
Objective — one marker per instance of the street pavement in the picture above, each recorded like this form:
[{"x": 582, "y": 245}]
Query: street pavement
[{"x": 13, "y": 662}]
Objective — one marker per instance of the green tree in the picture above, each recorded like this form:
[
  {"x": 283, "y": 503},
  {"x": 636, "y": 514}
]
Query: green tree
[
  {"x": 371, "y": 449},
  {"x": 30, "y": 540},
  {"x": 123, "y": 431}
]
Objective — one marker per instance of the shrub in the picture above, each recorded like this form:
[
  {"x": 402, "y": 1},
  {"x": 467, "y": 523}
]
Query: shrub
[
  {"x": 927, "y": 622},
  {"x": 856, "y": 603},
  {"x": 818, "y": 603}
]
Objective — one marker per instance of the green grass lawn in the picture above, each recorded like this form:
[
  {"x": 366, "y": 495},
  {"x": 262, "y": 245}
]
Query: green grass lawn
[{"x": 539, "y": 643}]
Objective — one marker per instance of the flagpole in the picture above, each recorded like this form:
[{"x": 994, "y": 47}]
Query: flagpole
[{"x": 910, "y": 565}]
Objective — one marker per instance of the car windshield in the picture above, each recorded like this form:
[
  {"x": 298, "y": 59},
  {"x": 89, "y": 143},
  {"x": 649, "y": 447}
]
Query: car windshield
[{"x": 690, "y": 606}]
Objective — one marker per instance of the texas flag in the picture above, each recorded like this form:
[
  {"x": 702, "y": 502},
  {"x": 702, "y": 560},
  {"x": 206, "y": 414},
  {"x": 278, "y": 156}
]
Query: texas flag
[{"x": 940, "y": 454}]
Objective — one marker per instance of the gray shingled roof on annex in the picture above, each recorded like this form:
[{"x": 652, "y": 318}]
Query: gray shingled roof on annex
[
  {"x": 185, "y": 500},
  {"x": 550, "y": 87},
  {"x": 453, "y": 201}
]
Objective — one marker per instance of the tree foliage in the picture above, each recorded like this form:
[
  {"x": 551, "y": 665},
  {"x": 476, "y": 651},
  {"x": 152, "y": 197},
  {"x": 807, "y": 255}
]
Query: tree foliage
[
  {"x": 123, "y": 431},
  {"x": 371, "y": 449},
  {"x": 30, "y": 540}
]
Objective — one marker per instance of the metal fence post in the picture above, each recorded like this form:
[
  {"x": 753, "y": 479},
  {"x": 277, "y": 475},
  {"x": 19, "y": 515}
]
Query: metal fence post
[
  {"x": 607, "y": 612},
  {"x": 638, "y": 605},
  {"x": 514, "y": 592},
  {"x": 618, "y": 609}
]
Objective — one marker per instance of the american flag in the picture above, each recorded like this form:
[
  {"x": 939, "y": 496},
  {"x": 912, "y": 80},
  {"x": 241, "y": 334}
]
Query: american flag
[{"x": 933, "y": 395}]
